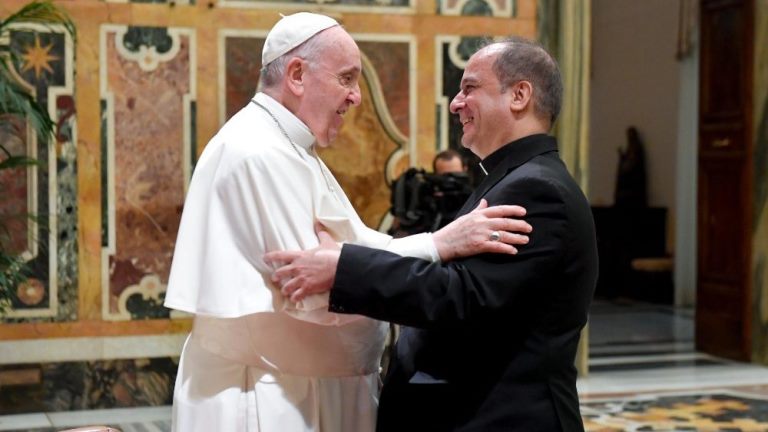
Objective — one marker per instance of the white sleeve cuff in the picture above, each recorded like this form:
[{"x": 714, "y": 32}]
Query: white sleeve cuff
[{"x": 417, "y": 246}]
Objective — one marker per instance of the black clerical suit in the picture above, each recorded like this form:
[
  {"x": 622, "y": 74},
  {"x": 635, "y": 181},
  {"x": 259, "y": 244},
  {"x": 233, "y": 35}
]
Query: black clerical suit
[{"x": 491, "y": 339}]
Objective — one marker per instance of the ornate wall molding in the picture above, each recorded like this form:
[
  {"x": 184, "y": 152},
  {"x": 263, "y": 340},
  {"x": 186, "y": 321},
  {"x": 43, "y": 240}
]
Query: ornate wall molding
[{"x": 494, "y": 8}]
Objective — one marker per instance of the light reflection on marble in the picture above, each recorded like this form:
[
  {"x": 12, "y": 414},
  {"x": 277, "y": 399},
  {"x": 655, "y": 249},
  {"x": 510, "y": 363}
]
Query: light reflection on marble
[
  {"x": 611, "y": 323},
  {"x": 673, "y": 378}
]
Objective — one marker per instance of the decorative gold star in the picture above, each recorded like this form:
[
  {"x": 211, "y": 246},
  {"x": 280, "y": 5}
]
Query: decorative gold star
[{"x": 38, "y": 57}]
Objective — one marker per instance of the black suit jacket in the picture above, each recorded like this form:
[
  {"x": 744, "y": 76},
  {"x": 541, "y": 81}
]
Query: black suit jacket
[{"x": 491, "y": 339}]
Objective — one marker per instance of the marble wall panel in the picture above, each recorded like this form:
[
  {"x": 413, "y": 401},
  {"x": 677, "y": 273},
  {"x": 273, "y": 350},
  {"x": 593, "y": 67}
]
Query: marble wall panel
[
  {"x": 376, "y": 135},
  {"x": 148, "y": 79},
  {"x": 242, "y": 57},
  {"x": 17, "y": 235},
  {"x": 760, "y": 233},
  {"x": 390, "y": 61},
  {"x": 495, "y": 8},
  {"x": 70, "y": 386},
  {"x": 48, "y": 240}
]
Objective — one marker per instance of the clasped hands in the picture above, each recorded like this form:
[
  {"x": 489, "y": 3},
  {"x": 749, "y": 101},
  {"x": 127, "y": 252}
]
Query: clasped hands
[{"x": 304, "y": 273}]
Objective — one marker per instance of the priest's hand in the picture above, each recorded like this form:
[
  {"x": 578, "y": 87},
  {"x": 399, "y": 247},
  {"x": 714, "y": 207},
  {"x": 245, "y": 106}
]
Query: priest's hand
[
  {"x": 303, "y": 273},
  {"x": 484, "y": 230}
]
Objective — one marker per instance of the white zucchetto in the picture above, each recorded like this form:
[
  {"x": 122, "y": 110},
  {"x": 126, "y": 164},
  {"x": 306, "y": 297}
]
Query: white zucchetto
[{"x": 291, "y": 31}]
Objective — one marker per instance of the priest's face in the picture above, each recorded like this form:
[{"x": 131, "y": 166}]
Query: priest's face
[
  {"x": 331, "y": 86},
  {"x": 483, "y": 109}
]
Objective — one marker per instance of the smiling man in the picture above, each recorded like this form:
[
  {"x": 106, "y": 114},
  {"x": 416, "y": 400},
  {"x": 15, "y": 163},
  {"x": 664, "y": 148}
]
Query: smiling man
[
  {"x": 255, "y": 361},
  {"x": 491, "y": 339}
]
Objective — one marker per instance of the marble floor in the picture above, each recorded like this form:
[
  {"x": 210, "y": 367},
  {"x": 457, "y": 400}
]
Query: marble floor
[
  {"x": 636, "y": 351},
  {"x": 638, "y": 348}
]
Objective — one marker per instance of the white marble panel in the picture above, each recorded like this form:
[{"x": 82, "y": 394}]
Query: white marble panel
[
  {"x": 90, "y": 348},
  {"x": 23, "y": 421},
  {"x": 110, "y": 416}
]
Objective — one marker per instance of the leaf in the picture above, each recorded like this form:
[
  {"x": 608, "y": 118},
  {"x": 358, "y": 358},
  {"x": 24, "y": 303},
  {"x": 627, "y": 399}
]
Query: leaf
[
  {"x": 41, "y": 12},
  {"x": 19, "y": 161},
  {"x": 14, "y": 99}
]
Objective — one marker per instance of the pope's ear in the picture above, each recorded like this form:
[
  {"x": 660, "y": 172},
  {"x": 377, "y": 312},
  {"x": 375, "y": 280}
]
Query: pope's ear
[
  {"x": 294, "y": 75},
  {"x": 521, "y": 93}
]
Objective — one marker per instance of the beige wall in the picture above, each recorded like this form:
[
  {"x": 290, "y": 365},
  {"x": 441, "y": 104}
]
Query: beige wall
[
  {"x": 634, "y": 83},
  {"x": 103, "y": 70}
]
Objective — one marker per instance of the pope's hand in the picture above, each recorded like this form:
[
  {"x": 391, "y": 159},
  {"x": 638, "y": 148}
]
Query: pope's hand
[
  {"x": 303, "y": 273},
  {"x": 484, "y": 230}
]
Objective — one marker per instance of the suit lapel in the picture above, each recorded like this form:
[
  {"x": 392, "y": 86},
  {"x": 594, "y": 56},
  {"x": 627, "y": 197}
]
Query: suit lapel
[{"x": 519, "y": 152}]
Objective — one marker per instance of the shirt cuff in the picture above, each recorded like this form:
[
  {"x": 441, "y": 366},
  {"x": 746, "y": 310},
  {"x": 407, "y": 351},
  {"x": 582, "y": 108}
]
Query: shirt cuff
[{"x": 417, "y": 246}]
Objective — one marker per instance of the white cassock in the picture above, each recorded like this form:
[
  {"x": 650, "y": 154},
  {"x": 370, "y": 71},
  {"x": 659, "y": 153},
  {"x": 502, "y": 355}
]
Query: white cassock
[{"x": 255, "y": 361}]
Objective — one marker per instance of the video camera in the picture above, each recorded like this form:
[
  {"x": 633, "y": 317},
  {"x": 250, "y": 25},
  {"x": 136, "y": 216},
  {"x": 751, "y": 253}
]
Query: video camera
[{"x": 424, "y": 202}]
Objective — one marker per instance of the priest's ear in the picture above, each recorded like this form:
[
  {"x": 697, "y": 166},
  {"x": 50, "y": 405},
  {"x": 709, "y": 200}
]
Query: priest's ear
[
  {"x": 295, "y": 74},
  {"x": 520, "y": 95}
]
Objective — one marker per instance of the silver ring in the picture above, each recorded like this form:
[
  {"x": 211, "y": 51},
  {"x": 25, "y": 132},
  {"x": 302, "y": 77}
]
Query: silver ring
[{"x": 495, "y": 236}]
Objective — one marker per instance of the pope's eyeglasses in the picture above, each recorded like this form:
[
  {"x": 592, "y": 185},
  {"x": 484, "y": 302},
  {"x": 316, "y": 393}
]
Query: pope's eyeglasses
[{"x": 346, "y": 80}]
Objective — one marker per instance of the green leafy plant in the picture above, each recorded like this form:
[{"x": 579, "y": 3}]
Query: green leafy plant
[{"x": 17, "y": 103}]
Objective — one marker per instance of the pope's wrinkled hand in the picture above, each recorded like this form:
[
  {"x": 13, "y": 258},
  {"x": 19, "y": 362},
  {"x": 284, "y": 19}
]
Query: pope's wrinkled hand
[{"x": 304, "y": 273}]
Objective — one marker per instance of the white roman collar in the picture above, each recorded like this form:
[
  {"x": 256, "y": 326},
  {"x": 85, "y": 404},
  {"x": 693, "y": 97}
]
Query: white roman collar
[{"x": 298, "y": 132}]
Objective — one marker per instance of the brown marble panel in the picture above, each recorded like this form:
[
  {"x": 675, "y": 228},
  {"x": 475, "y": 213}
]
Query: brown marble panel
[
  {"x": 391, "y": 61},
  {"x": 13, "y": 199},
  {"x": 243, "y": 66},
  {"x": 149, "y": 157}
]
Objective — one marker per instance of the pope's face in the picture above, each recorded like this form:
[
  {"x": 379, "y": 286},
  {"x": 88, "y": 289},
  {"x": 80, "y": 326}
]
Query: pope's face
[{"x": 331, "y": 87}]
